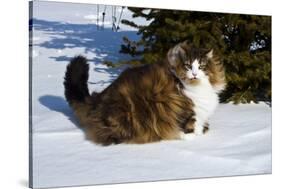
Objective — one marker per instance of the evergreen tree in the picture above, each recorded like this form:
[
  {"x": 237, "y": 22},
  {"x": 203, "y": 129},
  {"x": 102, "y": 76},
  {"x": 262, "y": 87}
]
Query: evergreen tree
[{"x": 242, "y": 41}]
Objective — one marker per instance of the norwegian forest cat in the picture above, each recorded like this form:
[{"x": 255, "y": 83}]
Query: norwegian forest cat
[{"x": 148, "y": 103}]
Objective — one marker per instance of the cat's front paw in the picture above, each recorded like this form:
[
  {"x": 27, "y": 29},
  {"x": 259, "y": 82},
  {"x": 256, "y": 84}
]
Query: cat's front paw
[
  {"x": 189, "y": 136},
  {"x": 199, "y": 130}
]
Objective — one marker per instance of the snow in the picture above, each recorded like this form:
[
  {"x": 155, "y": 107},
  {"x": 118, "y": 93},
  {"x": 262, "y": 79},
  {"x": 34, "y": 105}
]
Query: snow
[{"x": 238, "y": 143}]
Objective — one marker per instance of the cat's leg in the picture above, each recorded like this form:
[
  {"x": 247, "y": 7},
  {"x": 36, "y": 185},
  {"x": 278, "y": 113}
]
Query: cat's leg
[{"x": 193, "y": 127}]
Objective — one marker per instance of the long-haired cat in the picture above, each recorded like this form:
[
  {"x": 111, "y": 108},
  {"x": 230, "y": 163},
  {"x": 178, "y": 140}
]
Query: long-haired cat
[{"x": 148, "y": 103}]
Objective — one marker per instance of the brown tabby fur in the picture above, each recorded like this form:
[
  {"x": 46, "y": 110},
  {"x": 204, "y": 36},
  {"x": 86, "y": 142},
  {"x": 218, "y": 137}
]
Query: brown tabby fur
[{"x": 144, "y": 104}]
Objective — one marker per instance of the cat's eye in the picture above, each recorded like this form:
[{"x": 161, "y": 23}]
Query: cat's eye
[
  {"x": 187, "y": 66},
  {"x": 202, "y": 65}
]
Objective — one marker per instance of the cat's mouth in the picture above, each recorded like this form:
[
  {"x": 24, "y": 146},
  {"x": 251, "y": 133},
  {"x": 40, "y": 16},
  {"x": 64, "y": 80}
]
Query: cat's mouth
[
  {"x": 192, "y": 80},
  {"x": 189, "y": 78}
]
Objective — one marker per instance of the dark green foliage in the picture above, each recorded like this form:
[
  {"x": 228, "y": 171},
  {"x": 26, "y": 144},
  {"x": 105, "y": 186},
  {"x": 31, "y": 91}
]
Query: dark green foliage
[{"x": 242, "y": 41}]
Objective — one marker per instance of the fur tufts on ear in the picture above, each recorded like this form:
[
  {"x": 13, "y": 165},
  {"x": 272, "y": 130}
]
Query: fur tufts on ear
[{"x": 210, "y": 54}]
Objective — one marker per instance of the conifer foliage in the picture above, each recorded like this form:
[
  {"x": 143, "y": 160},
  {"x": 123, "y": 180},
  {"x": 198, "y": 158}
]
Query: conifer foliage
[{"x": 242, "y": 41}]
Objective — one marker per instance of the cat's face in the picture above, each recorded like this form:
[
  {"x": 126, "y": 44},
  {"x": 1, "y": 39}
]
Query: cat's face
[{"x": 190, "y": 65}]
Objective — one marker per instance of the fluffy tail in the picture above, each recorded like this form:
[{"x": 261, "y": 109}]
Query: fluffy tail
[{"x": 75, "y": 80}]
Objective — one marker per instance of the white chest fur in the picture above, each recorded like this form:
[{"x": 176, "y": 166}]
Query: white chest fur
[{"x": 205, "y": 102}]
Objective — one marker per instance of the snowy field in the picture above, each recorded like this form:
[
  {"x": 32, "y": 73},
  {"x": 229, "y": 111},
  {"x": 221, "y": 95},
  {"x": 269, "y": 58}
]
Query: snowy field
[{"x": 239, "y": 141}]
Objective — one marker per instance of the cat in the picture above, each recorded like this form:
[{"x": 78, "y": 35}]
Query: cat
[{"x": 162, "y": 101}]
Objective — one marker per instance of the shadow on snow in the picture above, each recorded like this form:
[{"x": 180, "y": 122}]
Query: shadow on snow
[
  {"x": 98, "y": 45},
  {"x": 58, "y": 104},
  {"x": 104, "y": 43}
]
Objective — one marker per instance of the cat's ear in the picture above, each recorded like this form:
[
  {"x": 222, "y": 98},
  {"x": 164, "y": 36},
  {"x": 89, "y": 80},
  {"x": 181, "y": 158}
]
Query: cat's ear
[
  {"x": 175, "y": 54},
  {"x": 209, "y": 54}
]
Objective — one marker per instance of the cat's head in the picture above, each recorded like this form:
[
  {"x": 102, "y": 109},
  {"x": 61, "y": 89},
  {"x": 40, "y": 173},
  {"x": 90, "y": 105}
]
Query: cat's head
[{"x": 192, "y": 65}]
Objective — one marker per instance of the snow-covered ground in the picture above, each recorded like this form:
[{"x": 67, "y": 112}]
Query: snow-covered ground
[{"x": 239, "y": 141}]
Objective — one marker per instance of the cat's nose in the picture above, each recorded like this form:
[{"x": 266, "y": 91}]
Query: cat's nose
[{"x": 194, "y": 74}]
